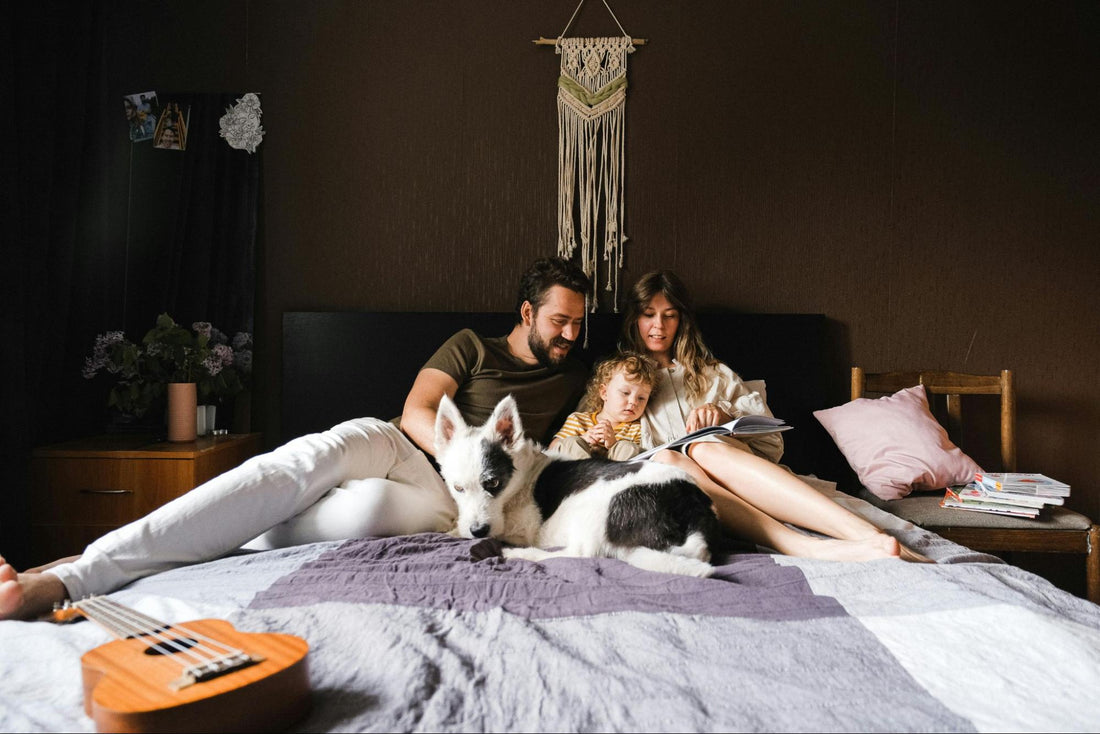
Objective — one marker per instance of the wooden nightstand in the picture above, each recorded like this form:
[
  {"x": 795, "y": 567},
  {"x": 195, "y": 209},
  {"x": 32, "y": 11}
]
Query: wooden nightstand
[{"x": 83, "y": 489}]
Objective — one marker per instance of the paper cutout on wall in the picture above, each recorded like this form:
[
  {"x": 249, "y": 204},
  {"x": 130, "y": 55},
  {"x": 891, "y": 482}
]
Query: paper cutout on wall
[
  {"x": 141, "y": 115},
  {"x": 240, "y": 125}
]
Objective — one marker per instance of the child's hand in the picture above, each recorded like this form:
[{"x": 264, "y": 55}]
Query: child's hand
[{"x": 601, "y": 434}]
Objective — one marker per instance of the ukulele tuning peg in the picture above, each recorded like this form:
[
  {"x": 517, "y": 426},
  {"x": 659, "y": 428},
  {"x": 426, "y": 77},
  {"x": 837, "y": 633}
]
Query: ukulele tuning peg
[{"x": 65, "y": 613}]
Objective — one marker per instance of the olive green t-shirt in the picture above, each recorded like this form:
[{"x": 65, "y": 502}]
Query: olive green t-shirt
[{"x": 486, "y": 372}]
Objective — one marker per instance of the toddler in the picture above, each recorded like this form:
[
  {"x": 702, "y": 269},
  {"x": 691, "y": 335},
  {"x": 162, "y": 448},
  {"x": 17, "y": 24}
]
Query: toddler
[{"x": 618, "y": 393}]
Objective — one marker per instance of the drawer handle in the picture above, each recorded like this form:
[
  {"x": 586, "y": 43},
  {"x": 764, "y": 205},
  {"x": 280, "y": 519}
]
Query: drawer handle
[{"x": 106, "y": 491}]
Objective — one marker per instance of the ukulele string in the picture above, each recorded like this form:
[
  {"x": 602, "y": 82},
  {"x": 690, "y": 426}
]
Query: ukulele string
[
  {"x": 102, "y": 613},
  {"x": 203, "y": 642},
  {"x": 185, "y": 632},
  {"x": 140, "y": 625},
  {"x": 115, "y": 619},
  {"x": 198, "y": 637}
]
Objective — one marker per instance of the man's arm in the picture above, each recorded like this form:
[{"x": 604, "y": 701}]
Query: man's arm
[{"x": 418, "y": 417}]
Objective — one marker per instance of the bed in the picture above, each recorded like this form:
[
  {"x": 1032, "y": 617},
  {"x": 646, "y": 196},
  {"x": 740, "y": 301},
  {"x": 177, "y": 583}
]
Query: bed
[{"x": 434, "y": 633}]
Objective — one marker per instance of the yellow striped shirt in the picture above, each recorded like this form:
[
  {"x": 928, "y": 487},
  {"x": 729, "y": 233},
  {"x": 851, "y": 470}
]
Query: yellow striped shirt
[{"x": 577, "y": 423}]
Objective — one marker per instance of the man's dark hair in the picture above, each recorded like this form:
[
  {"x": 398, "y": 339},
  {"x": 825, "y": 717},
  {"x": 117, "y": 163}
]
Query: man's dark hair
[{"x": 545, "y": 274}]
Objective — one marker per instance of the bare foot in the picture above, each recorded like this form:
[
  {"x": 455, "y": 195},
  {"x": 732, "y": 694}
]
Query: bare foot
[
  {"x": 871, "y": 548},
  {"x": 11, "y": 593},
  {"x": 28, "y": 595}
]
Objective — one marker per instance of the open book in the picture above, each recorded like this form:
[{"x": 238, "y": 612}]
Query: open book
[{"x": 746, "y": 425}]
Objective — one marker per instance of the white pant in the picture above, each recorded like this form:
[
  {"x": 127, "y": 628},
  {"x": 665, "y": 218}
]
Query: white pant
[{"x": 360, "y": 478}]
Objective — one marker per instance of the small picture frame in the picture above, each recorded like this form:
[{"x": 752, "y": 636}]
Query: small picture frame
[
  {"x": 141, "y": 111},
  {"x": 171, "y": 129}
]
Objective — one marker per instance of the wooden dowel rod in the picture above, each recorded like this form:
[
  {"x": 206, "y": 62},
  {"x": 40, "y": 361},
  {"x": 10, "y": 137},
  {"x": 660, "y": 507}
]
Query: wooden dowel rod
[{"x": 553, "y": 41}]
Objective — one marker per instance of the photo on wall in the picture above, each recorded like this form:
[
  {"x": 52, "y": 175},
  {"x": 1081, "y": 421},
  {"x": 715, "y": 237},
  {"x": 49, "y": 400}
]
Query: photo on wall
[
  {"x": 142, "y": 111},
  {"x": 171, "y": 129}
]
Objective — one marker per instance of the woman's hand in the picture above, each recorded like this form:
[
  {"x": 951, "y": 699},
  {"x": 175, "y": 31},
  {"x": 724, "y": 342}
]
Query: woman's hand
[
  {"x": 601, "y": 434},
  {"x": 706, "y": 415}
]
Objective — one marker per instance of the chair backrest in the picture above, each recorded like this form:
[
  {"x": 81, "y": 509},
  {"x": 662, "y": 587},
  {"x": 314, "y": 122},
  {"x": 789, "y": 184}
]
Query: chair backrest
[{"x": 952, "y": 385}]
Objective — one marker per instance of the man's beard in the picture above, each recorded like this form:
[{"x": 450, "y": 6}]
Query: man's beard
[{"x": 541, "y": 349}]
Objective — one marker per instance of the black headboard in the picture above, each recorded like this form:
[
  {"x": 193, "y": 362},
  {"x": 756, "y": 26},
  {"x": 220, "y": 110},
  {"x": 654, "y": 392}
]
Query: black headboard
[{"x": 347, "y": 364}]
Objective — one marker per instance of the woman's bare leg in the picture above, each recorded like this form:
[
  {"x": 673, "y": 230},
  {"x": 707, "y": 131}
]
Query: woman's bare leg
[
  {"x": 777, "y": 492},
  {"x": 783, "y": 496},
  {"x": 28, "y": 595},
  {"x": 760, "y": 528}
]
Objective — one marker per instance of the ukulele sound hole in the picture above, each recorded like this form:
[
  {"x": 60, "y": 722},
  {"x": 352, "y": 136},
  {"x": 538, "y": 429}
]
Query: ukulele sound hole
[{"x": 171, "y": 647}]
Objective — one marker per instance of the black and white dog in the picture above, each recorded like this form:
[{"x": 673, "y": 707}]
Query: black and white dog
[{"x": 650, "y": 515}]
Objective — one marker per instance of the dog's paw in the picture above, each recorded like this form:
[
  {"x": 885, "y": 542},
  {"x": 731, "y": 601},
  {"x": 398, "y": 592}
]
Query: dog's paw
[
  {"x": 525, "y": 554},
  {"x": 694, "y": 567},
  {"x": 662, "y": 562},
  {"x": 487, "y": 548},
  {"x": 698, "y": 569}
]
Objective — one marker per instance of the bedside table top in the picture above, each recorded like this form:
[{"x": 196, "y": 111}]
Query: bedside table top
[{"x": 143, "y": 446}]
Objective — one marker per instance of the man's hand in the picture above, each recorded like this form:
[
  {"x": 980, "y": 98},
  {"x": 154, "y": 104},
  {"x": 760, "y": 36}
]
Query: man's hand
[{"x": 706, "y": 415}]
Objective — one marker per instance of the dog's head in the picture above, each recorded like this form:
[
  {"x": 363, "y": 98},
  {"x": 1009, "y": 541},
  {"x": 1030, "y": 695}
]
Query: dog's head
[{"x": 479, "y": 464}]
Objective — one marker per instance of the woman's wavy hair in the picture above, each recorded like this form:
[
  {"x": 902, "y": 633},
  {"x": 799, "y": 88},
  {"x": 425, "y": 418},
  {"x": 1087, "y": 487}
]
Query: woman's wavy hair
[
  {"x": 636, "y": 367},
  {"x": 688, "y": 348}
]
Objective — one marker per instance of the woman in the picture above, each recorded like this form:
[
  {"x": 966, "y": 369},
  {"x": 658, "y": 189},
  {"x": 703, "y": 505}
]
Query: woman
[{"x": 752, "y": 494}]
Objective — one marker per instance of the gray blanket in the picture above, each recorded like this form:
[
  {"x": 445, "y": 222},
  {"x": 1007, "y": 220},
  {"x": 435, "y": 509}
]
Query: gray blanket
[{"x": 432, "y": 633}]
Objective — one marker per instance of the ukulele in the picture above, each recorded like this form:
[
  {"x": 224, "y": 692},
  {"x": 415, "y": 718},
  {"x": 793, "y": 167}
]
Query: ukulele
[{"x": 205, "y": 676}]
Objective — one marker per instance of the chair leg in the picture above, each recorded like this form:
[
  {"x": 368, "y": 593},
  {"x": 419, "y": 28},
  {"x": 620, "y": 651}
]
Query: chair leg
[{"x": 1092, "y": 565}]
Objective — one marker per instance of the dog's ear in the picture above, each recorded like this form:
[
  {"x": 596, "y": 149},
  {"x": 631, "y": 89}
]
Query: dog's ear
[
  {"x": 506, "y": 423},
  {"x": 447, "y": 421}
]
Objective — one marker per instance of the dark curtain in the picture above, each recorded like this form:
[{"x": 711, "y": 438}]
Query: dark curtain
[
  {"x": 100, "y": 233},
  {"x": 212, "y": 275},
  {"x": 59, "y": 278},
  {"x": 192, "y": 224}
]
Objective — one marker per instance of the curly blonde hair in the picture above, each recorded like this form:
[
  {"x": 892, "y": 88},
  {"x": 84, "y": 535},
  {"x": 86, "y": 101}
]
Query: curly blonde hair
[
  {"x": 688, "y": 348},
  {"x": 635, "y": 367}
]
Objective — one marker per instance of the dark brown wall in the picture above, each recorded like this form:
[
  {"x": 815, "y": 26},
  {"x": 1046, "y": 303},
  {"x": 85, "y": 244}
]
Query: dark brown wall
[{"x": 924, "y": 173}]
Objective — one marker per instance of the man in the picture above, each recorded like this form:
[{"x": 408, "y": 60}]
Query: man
[
  {"x": 361, "y": 478},
  {"x": 530, "y": 363}
]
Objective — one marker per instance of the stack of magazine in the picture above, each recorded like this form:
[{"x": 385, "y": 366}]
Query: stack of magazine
[{"x": 1007, "y": 493}]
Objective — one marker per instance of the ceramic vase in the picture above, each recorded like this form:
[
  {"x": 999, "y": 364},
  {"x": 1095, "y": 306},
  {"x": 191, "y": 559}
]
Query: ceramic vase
[{"x": 182, "y": 407}]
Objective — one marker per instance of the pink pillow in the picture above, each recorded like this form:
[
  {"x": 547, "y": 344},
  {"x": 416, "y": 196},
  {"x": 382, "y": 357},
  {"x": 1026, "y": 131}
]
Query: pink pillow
[{"x": 895, "y": 445}]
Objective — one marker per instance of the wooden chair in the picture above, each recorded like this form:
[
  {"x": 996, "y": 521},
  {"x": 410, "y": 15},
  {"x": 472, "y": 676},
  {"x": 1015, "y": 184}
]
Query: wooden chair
[{"x": 1056, "y": 530}]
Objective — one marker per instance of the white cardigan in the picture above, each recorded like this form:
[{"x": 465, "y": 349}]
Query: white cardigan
[{"x": 665, "y": 417}]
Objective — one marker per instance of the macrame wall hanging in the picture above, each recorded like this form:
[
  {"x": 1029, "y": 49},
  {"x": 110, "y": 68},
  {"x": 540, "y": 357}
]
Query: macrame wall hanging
[{"x": 591, "y": 152}]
